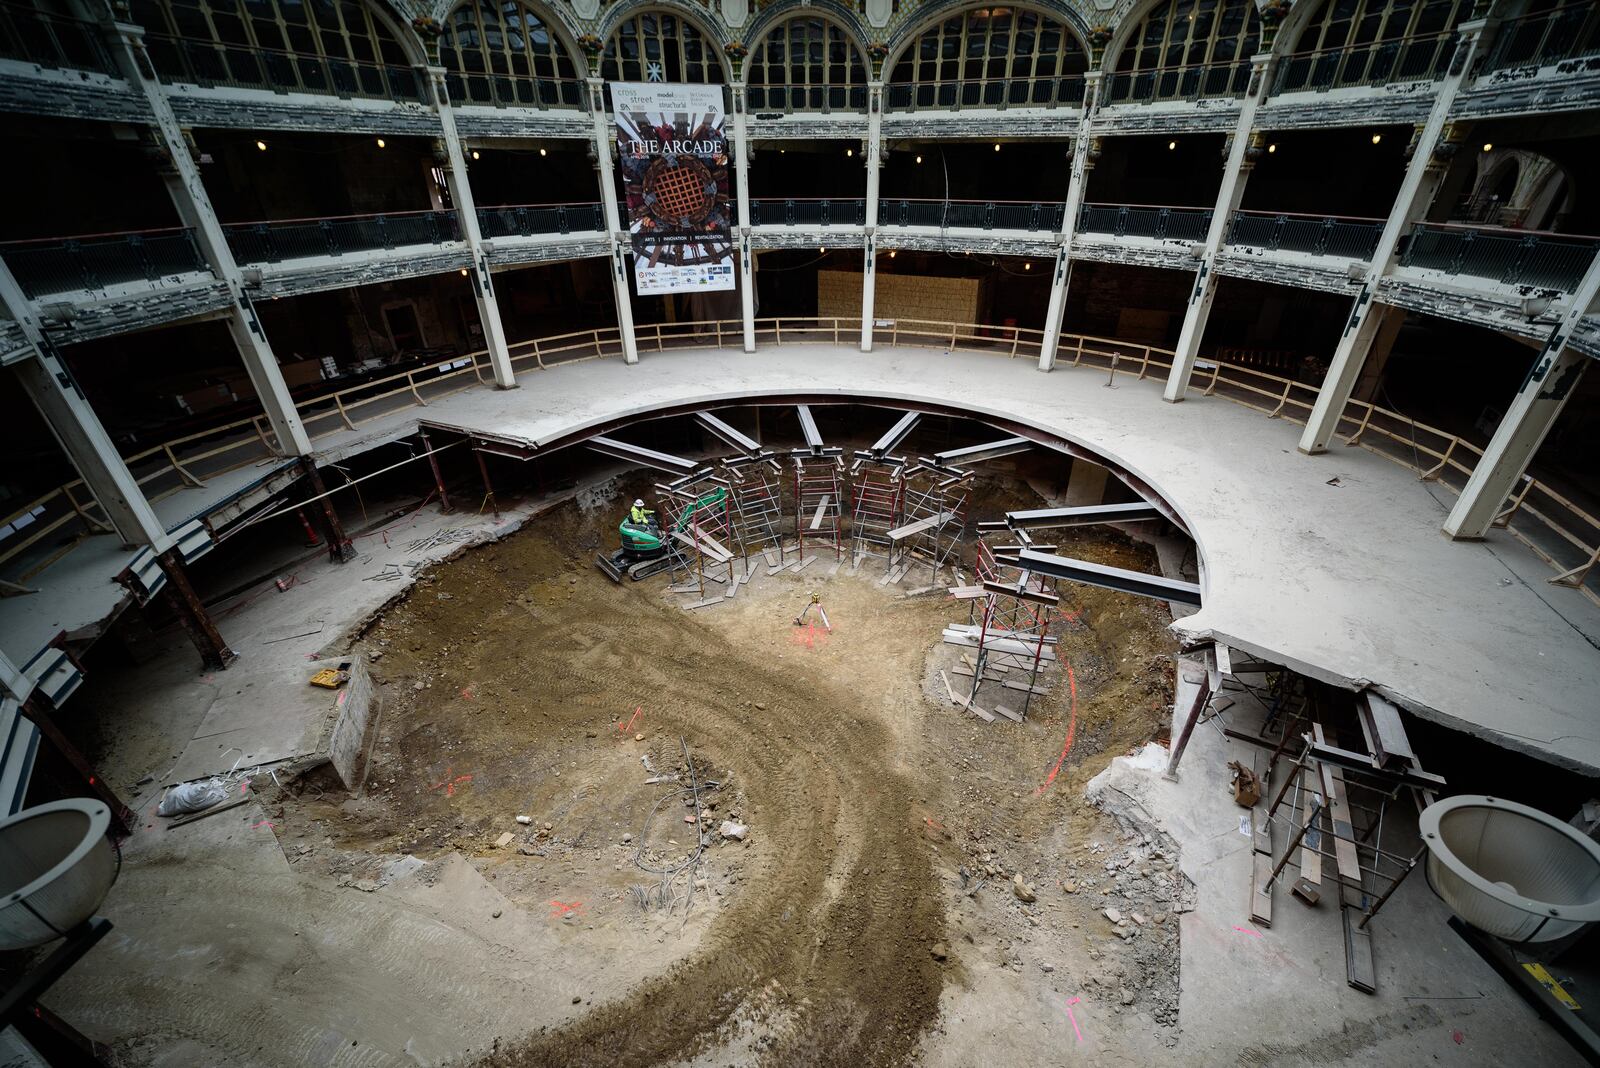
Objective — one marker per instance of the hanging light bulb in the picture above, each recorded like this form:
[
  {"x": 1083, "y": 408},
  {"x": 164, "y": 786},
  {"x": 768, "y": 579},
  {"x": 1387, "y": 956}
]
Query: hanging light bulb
[
  {"x": 463, "y": 272},
  {"x": 997, "y": 146},
  {"x": 474, "y": 153},
  {"x": 919, "y": 159},
  {"x": 1271, "y": 149},
  {"x": 262, "y": 145},
  {"x": 1028, "y": 266},
  {"x": 1376, "y": 138},
  {"x": 1171, "y": 145},
  {"x": 849, "y": 151},
  {"x": 542, "y": 152},
  {"x": 893, "y": 253},
  {"x": 381, "y": 143},
  {"x": 1488, "y": 146}
]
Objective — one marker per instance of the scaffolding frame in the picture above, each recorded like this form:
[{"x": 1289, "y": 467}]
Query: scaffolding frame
[
  {"x": 877, "y": 497},
  {"x": 819, "y": 490},
  {"x": 933, "y": 518},
  {"x": 757, "y": 508},
  {"x": 1010, "y": 628},
  {"x": 709, "y": 529}
]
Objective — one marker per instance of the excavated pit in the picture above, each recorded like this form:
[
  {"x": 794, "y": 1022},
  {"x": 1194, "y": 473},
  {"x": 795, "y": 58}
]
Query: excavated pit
[{"x": 870, "y": 914}]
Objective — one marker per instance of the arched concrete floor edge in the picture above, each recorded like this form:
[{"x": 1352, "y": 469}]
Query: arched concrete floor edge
[{"x": 1378, "y": 596}]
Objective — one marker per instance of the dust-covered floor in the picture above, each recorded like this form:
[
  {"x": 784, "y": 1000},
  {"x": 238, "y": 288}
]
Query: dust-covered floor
[{"x": 872, "y": 913}]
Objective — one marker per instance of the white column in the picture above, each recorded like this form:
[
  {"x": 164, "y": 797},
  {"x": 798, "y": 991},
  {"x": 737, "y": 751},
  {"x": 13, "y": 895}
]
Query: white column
[
  {"x": 621, "y": 247},
  {"x": 494, "y": 333},
  {"x": 1422, "y": 178},
  {"x": 44, "y": 377},
  {"x": 741, "y": 192},
  {"x": 1234, "y": 175},
  {"x": 869, "y": 255},
  {"x": 189, "y": 195},
  {"x": 1551, "y": 380},
  {"x": 1077, "y": 180}
]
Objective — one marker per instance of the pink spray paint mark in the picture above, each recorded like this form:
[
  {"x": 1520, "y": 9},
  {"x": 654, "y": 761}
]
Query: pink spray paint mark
[
  {"x": 1071, "y": 1002},
  {"x": 1458, "y": 1037},
  {"x": 1247, "y": 931},
  {"x": 263, "y": 823}
]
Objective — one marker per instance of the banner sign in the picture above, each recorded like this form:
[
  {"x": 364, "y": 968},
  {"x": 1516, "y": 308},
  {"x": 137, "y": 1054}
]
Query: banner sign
[{"x": 674, "y": 160}]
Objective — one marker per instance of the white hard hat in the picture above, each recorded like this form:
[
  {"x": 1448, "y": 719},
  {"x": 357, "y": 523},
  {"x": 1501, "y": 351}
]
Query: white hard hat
[{"x": 639, "y": 503}]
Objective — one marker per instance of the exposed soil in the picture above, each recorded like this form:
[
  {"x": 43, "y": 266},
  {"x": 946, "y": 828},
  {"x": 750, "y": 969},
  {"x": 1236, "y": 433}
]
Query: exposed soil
[{"x": 518, "y": 681}]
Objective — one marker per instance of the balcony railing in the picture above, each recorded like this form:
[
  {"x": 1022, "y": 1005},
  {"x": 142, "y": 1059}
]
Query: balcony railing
[
  {"x": 207, "y": 63},
  {"x": 1144, "y": 220},
  {"x": 65, "y": 264},
  {"x": 1319, "y": 235},
  {"x": 526, "y": 220},
  {"x": 271, "y": 242},
  {"x": 1405, "y": 59},
  {"x": 972, "y": 214},
  {"x": 986, "y": 93},
  {"x": 769, "y": 211},
  {"x": 52, "y": 40},
  {"x": 791, "y": 98},
  {"x": 514, "y": 90},
  {"x": 1179, "y": 83},
  {"x": 1512, "y": 257},
  {"x": 1569, "y": 32}
]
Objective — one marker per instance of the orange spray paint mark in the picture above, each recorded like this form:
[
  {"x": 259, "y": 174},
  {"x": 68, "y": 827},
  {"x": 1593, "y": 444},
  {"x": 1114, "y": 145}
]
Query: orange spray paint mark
[{"x": 1072, "y": 729}]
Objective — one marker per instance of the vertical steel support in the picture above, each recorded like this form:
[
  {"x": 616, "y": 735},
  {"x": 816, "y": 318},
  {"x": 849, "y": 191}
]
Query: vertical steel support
[
  {"x": 1083, "y": 156},
  {"x": 340, "y": 548},
  {"x": 1202, "y": 697},
  {"x": 438, "y": 478},
  {"x": 122, "y": 817},
  {"x": 488, "y": 487},
  {"x": 621, "y": 248},
  {"x": 192, "y": 614}
]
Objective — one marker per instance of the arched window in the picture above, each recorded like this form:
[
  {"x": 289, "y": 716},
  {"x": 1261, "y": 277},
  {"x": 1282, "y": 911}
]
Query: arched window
[
  {"x": 1545, "y": 32},
  {"x": 1188, "y": 48},
  {"x": 806, "y": 64},
  {"x": 311, "y": 46},
  {"x": 501, "y": 52},
  {"x": 47, "y": 32},
  {"x": 1372, "y": 42},
  {"x": 659, "y": 46},
  {"x": 990, "y": 57}
]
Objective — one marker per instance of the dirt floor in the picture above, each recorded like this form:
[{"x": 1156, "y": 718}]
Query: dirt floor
[{"x": 907, "y": 869}]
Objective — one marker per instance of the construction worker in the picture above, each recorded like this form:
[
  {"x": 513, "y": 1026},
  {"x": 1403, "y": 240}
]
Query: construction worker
[{"x": 639, "y": 515}]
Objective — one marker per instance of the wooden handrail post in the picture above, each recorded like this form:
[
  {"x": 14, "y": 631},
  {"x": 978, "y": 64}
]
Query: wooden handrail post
[
  {"x": 1432, "y": 473},
  {"x": 338, "y": 401},
  {"x": 412, "y": 382},
  {"x": 1505, "y": 517},
  {"x": 1145, "y": 366},
  {"x": 183, "y": 472},
  {"x": 1355, "y": 439},
  {"x": 1282, "y": 400},
  {"x": 1580, "y": 574},
  {"x": 1216, "y": 373},
  {"x": 1077, "y": 358},
  {"x": 538, "y": 356}
]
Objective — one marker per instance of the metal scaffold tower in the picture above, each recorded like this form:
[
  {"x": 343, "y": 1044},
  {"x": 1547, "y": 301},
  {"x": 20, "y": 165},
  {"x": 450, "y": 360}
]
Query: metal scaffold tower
[
  {"x": 1009, "y": 628},
  {"x": 879, "y": 491},
  {"x": 757, "y": 509},
  {"x": 818, "y": 504},
  {"x": 702, "y": 529},
  {"x": 932, "y": 517}
]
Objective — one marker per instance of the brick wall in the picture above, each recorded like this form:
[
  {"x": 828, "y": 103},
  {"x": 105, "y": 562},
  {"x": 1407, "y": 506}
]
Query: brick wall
[{"x": 901, "y": 296}]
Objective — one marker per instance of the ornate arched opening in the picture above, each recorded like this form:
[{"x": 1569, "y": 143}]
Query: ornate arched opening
[
  {"x": 990, "y": 57},
  {"x": 1372, "y": 42},
  {"x": 340, "y": 47},
  {"x": 503, "y": 52},
  {"x": 1182, "y": 49},
  {"x": 661, "y": 46},
  {"x": 806, "y": 63}
]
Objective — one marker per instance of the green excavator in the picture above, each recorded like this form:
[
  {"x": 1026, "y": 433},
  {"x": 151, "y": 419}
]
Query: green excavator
[{"x": 647, "y": 549}]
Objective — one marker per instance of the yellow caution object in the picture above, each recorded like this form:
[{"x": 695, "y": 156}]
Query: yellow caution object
[
  {"x": 1548, "y": 981},
  {"x": 330, "y": 679}
]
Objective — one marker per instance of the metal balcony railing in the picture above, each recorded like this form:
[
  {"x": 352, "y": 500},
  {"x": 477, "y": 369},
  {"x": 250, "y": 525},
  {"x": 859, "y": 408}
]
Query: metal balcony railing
[
  {"x": 772, "y": 211},
  {"x": 1569, "y": 32},
  {"x": 1145, "y": 220},
  {"x": 272, "y": 242},
  {"x": 1512, "y": 257},
  {"x": 972, "y": 214},
  {"x": 1404, "y": 59},
  {"x": 526, "y": 220},
  {"x": 1319, "y": 235},
  {"x": 1192, "y": 82},
  {"x": 515, "y": 90},
  {"x": 52, "y": 40},
  {"x": 65, "y": 264},
  {"x": 957, "y": 94},
  {"x": 208, "y": 63},
  {"x": 791, "y": 98}
]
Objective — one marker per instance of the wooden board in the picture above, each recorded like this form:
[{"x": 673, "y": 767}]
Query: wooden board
[
  {"x": 707, "y": 603},
  {"x": 1260, "y": 903},
  {"x": 901, "y": 533},
  {"x": 822, "y": 506},
  {"x": 1344, "y": 846},
  {"x": 966, "y": 593},
  {"x": 1311, "y": 842},
  {"x": 803, "y": 564},
  {"x": 1036, "y": 690},
  {"x": 1008, "y": 713},
  {"x": 1260, "y": 829},
  {"x": 1359, "y": 970}
]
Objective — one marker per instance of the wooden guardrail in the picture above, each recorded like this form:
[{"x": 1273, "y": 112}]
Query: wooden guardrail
[{"x": 1555, "y": 528}]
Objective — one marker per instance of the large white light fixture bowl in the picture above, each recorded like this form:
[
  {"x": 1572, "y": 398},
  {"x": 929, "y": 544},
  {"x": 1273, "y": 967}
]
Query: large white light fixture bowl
[{"x": 56, "y": 865}]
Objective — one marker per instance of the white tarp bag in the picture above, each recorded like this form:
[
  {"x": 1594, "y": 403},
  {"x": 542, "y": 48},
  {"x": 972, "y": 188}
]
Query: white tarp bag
[{"x": 191, "y": 797}]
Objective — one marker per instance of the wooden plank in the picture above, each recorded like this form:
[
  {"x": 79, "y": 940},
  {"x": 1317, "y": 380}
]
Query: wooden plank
[
  {"x": 1345, "y": 856},
  {"x": 1359, "y": 970},
  {"x": 966, "y": 593},
  {"x": 718, "y": 550},
  {"x": 1261, "y": 889},
  {"x": 803, "y": 564},
  {"x": 1260, "y": 828},
  {"x": 1311, "y": 841},
  {"x": 822, "y": 506},
  {"x": 1008, "y": 713},
  {"x": 1036, "y": 690},
  {"x": 939, "y": 520},
  {"x": 707, "y": 603},
  {"x": 1389, "y": 733}
]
